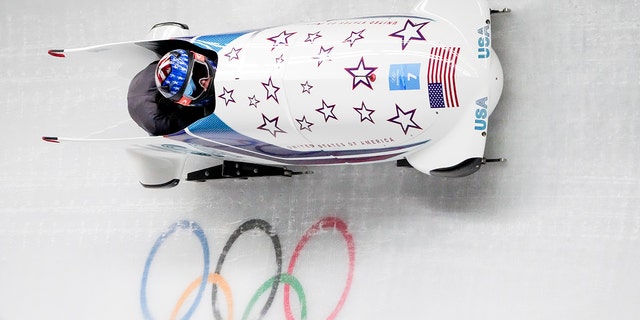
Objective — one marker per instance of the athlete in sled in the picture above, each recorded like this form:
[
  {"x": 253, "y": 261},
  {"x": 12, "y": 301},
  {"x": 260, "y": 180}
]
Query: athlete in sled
[
  {"x": 170, "y": 94},
  {"x": 416, "y": 89}
]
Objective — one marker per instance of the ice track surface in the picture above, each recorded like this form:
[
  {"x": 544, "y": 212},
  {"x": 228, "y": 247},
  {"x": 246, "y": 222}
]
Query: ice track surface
[{"x": 551, "y": 234}]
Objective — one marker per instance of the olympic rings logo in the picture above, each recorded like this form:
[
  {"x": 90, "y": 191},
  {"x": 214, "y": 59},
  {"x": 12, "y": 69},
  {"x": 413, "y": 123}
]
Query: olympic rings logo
[{"x": 272, "y": 284}]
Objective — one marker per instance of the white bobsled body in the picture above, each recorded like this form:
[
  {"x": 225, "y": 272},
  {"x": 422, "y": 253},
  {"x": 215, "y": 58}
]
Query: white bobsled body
[
  {"x": 357, "y": 90},
  {"x": 418, "y": 86}
]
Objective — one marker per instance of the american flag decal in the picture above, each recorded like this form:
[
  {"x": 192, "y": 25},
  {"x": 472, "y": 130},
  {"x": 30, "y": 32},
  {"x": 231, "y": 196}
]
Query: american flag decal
[{"x": 441, "y": 77}]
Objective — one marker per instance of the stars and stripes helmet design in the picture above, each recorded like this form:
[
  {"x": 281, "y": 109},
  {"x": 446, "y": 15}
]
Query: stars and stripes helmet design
[{"x": 186, "y": 77}]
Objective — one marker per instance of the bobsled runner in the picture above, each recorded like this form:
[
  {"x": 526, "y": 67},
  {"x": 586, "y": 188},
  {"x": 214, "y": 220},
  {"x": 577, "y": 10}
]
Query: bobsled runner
[{"x": 416, "y": 89}]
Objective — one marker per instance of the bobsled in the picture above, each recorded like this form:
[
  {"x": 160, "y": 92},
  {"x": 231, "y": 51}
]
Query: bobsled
[{"x": 415, "y": 88}]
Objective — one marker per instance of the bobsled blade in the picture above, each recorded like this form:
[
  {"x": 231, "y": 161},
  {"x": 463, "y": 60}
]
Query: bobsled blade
[
  {"x": 58, "y": 53},
  {"x": 51, "y": 139}
]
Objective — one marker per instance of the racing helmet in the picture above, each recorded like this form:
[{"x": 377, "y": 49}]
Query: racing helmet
[{"x": 186, "y": 77}]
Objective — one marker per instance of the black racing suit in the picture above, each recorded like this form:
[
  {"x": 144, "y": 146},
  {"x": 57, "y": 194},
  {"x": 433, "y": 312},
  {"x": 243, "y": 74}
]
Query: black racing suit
[{"x": 152, "y": 111}]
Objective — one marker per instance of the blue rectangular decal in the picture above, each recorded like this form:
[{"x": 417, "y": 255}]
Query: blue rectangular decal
[{"x": 404, "y": 76}]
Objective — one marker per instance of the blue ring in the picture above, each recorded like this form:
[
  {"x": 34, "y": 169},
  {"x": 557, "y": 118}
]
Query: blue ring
[{"x": 197, "y": 230}]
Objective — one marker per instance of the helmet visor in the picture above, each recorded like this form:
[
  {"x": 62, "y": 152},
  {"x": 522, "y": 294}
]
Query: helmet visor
[{"x": 199, "y": 80}]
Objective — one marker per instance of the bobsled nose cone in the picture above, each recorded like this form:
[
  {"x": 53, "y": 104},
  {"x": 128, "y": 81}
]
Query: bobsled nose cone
[{"x": 496, "y": 81}]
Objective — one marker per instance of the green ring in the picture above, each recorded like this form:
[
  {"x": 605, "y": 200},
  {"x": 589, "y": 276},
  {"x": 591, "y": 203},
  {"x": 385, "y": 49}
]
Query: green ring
[{"x": 284, "y": 278}]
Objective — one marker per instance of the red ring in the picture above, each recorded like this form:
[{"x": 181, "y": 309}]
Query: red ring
[{"x": 326, "y": 223}]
